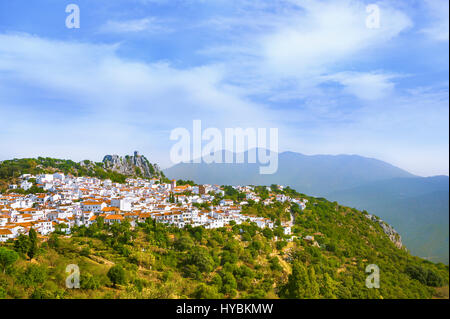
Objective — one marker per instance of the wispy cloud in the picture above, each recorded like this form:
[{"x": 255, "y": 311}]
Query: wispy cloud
[
  {"x": 438, "y": 28},
  {"x": 150, "y": 24},
  {"x": 110, "y": 95},
  {"x": 326, "y": 34},
  {"x": 366, "y": 86},
  {"x": 305, "y": 44}
]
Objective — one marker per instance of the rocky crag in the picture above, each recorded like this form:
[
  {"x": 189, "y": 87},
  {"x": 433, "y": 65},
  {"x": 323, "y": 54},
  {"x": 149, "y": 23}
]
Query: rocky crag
[
  {"x": 388, "y": 230},
  {"x": 134, "y": 165}
]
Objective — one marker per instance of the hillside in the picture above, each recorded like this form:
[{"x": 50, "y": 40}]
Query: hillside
[
  {"x": 417, "y": 206},
  {"x": 153, "y": 260},
  {"x": 365, "y": 183},
  {"x": 113, "y": 167}
]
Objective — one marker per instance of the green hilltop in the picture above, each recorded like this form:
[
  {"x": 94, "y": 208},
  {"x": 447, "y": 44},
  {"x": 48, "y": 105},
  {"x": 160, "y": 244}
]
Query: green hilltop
[{"x": 10, "y": 170}]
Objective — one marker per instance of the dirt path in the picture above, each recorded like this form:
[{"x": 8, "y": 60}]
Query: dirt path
[
  {"x": 292, "y": 220},
  {"x": 104, "y": 261}
]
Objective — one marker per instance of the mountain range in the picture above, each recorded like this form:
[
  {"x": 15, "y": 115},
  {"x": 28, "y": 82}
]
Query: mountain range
[{"x": 418, "y": 207}]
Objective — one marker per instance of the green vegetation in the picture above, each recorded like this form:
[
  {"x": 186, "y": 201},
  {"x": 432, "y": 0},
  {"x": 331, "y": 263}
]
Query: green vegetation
[
  {"x": 117, "y": 275},
  {"x": 7, "y": 258},
  {"x": 231, "y": 193},
  {"x": 181, "y": 182},
  {"x": 154, "y": 260},
  {"x": 32, "y": 190},
  {"x": 12, "y": 169}
]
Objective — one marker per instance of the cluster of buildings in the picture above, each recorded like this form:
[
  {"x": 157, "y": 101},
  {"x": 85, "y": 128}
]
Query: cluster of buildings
[{"x": 69, "y": 201}]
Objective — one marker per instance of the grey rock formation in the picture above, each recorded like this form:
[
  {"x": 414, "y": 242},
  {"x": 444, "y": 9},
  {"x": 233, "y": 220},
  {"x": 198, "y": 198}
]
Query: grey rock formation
[
  {"x": 388, "y": 230},
  {"x": 134, "y": 165}
]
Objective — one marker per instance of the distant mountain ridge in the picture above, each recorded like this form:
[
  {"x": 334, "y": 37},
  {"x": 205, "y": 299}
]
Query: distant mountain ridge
[
  {"x": 312, "y": 174},
  {"x": 416, "y": 206}
]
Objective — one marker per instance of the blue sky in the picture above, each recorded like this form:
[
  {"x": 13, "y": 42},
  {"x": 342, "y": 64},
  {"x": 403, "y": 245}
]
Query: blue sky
[{"x": 136, "y": 69}]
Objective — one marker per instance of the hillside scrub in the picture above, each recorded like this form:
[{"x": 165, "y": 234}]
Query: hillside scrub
[{"x": 154, "y": 260}]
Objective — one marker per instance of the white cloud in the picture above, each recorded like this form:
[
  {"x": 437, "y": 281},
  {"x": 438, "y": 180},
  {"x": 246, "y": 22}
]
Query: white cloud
[
  {"x": 289, "y": 53},
  {"x": 150, "y": 24},
  {"x": 438, "y": 11},
  {"x": 326, "y": 34},
  {"x": 366, "y": 86},
  {"x": 116, "y": 101}
]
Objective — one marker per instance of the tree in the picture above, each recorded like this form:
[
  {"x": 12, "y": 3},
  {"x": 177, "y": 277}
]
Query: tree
[
  {"x": 34, "y": 275},
  {"x": 216, "y": 281},
  {"x": 7, "y": 258},
  {"x": 22, "y": 244},
  {"x": 298, "y": 282},
  {"x": 268, "y": 233},
  {"x": 184, "y": 243},
  {"x": 206, "y": 292},
  {"x": 54, "y": 241},
  {"x": 32, "y": 249},
  {"x": 433, "y": 279},
  {"x": 117, "y": 275},
  {"x": 418, "y": 273},
  {"x": 329, "y": 288},
  {"x": 313, "y": 291},
  {"x": 275, "y": 264},
  {"x": 201, "y": 258},
  {"x": 280, "y": 244},
  {"x": 229, "y": 284},
  {"x": 88, "y": 281}
]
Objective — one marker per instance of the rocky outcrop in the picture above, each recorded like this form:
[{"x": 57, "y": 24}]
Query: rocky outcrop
[
  {"x": 388, "y": 230},
  {"x": 134, "y": 165}
]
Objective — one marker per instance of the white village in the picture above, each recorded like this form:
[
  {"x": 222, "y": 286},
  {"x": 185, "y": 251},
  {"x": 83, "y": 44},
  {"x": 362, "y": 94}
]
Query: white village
[{"x": 67, "y": 201}]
